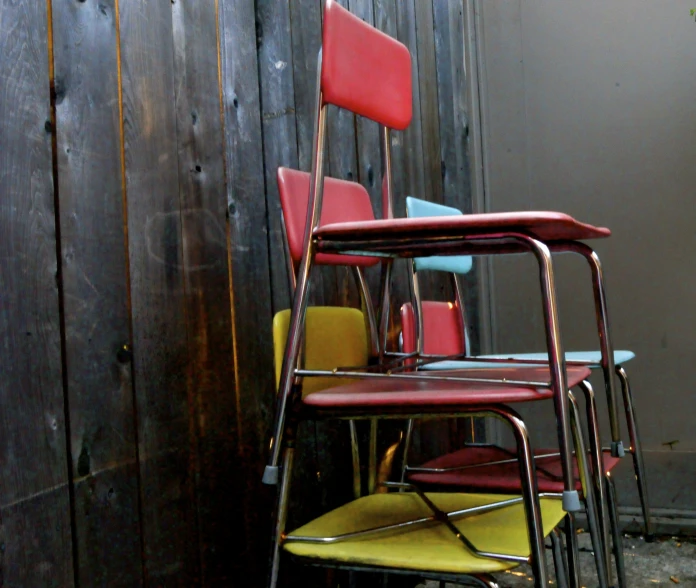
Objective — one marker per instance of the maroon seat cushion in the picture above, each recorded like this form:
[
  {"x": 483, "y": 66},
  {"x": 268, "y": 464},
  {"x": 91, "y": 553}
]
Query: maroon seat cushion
[
  {"x": 416, "y": 392},
  {"x": 496, "y": 478}
]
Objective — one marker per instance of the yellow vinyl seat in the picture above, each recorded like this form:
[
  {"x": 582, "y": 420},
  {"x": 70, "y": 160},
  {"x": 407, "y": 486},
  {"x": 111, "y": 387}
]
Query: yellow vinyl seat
[
  {"x": 335, "y": 336},
  {"x": 426, "y": 547}
]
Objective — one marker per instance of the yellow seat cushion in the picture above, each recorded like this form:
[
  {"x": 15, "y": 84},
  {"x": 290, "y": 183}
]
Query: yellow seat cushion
[
  {"x": 430, "y": 547},
  {"x": 334, "y": 337}
]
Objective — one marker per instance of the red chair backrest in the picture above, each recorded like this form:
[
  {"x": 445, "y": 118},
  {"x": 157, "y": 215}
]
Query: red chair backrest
[
  {"x": 442, "y": 328},
  {"x": 343, "y": 201},
  {"x": 363, "y": 70}
]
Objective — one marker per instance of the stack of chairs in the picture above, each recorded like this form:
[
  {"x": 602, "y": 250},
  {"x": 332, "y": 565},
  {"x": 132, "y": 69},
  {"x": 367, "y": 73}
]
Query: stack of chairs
[{"x": 332, "y": 363}]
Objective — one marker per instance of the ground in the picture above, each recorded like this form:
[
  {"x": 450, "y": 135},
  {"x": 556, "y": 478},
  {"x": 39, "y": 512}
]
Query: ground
[{"x": 667, "y": 561}]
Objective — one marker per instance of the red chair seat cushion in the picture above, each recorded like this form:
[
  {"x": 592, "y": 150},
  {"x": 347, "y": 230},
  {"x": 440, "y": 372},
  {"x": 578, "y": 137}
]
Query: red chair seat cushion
[
  {"x": 393, "y": 393},
  {"x": 542, "y": 225},
  {"x": 502, "y": 478}
]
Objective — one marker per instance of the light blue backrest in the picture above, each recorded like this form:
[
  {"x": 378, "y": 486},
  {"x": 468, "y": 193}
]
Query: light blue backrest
[{"x": 457, "y": 264}]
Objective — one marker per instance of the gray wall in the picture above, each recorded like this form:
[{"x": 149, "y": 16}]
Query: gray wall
[{"x": 590, "y": 108}]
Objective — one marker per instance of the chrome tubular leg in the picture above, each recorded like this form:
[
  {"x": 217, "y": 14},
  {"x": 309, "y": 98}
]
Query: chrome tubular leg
[
  {"x": 372, "y": 457},
  {"x": 636, "y": 450},
  {"x": 530, "y": 495},
  {"x": 559, "y": 562},
  {"x": 368, "y": 310},
  {"x": 281, "y": 517},
  {"x": 416, "y": 307},
  {"x": 407, "y": 448},
  {"x": 598, "y": 544},
  {"x": 617, "y": 448},
  {"x": 355, "y": 452},
  {"x": 617, "y": 541},
  {"x": 385, "y": 285},
  {"x": 557, "y": 366},
  {"x": 598, "y": 471}
]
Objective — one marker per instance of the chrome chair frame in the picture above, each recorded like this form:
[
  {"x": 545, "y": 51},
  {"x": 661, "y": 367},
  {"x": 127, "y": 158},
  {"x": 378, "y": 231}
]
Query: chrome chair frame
[{"x": 491, "y": 242}]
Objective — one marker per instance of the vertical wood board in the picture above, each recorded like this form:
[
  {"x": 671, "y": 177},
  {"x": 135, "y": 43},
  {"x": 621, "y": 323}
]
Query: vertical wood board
[
  {"x": 35, "y": 527},
  {"x": 166, "y": 417},
  {"x": 203, "y": 201},
  {"x": 254, "y": 385},
  {"x": 97, "y": 319}
]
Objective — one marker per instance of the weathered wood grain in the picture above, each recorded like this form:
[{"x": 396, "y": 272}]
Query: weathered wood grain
[
  {"x": 166, "y": 415},
  {"x": 367, "y": 131},
  {"x": 253, "y": 386},
  {"x": 275, "y": 66},
  {"x": 203, "y": 200},
  {"x": 35, "y": 526},
  {"x": 96, "y": 312},
  {"x": 428, "y": 92}
]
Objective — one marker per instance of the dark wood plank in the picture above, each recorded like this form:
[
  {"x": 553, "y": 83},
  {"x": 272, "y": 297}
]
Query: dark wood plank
[
  {"x": 97, "y": 319},
  {"x": 428, "y": 92},
  {"x": 306, "y": 23},
  {"x": 275, "y": 66},
  {"x": 385, "y": 20},
  {"x": 166, "y": 415},
  {"x": 452, "y": 107},
  {"x": 35, "y": 524},
  {"x": 251, "y": 281},
  {"x": 203, "y": 198},
  {"x": 342, "y": 155}
]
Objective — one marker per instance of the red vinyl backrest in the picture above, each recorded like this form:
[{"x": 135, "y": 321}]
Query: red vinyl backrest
[
  {"x": 363, "y": 70},
  {"x": 343, "y": 201},
  {"x": 442, "y": 326}
]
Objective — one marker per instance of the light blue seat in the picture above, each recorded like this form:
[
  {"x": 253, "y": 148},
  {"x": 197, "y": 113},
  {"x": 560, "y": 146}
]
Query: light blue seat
[
  {"x": 592, "y": 359},
  {"x": 455, "y": 264}
]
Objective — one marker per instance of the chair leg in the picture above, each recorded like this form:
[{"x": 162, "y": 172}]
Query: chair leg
[
  {"x": 407, "y": 448},
  {"x": 355, "y": 453},
  {"x": 636, "y": 451},
  {"x": 281, "y": 516},
  {"x": 617, "y": 540},
  {"x": 559, "y": 562},
  {"x": 597, "y": 463},
  {"x": 598, "y": 543},
  {"x": 530, "y": 494}
]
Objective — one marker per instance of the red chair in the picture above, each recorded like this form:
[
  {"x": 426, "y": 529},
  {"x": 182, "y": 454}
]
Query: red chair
[{"x": 490, "y": 468}]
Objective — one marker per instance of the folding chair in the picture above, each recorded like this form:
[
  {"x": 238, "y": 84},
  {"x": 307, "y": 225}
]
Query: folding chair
[{"x": 369, "y": 73}]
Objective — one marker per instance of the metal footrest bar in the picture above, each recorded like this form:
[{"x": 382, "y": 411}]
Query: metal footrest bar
[{"x": 415, "y": 376}]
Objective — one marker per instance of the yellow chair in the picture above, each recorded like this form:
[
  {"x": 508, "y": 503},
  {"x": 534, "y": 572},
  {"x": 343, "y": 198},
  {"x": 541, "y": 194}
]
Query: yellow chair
[{"x": 447, "y": 536}]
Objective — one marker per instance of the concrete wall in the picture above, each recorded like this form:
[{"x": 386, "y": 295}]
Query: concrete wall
[{"x": 590, "y": 108}]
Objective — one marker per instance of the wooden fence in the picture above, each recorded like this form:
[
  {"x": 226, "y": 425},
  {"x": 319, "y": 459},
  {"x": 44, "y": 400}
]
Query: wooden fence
[{"x": 141, "y": 263}]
